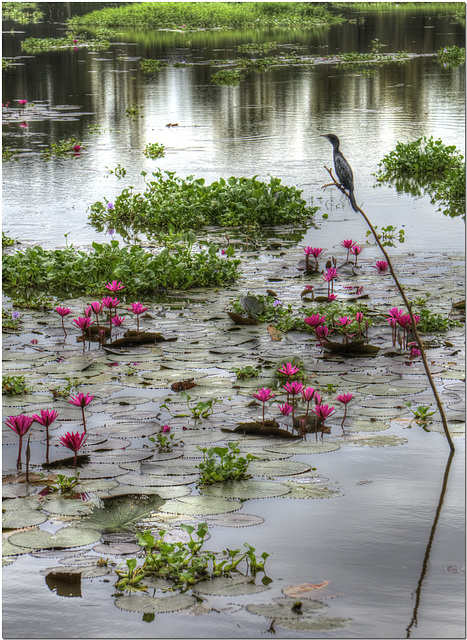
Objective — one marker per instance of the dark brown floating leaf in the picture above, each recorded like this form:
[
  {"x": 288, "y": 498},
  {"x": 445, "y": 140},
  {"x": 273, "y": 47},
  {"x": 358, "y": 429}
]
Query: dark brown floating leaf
[
  {"x": 354, "y": 348},
  {"x": 238, "y": 319},
  {"x": 131, "y": 338},
  {"x": 183, "y": 385},
  {"x": 271, "y": 428},
  {"x": 272, "y": 293}
]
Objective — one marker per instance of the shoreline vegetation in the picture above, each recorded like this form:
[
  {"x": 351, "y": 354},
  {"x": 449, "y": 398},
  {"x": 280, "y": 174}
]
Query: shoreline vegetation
[{"x": 209, "y": 15}]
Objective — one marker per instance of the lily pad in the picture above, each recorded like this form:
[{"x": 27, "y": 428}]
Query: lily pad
[
  {"x": 233, "y": 520},
  {"x": 245, "y": 489},
  {"x": 122, "y": 513},
  {"x": 67, "y": 506},
  {"x": 377, "y": 441},
  {"x": 306, "y": 447},
  {"x": 282, "y": 608},
  {"x": 156, "y": 481},
  {"x": 90, "y": 571},
  {"x": 62, "y": 539},
  {"x": 318, "y": 623},
  {"x": 277, "y": 467},
  {"x": 235, "y": 586},
  {"x": 22, "y": 519},
  {"x": 201, "y": 505},
  {"x": 148, "y": 604},
  {"x": 310, "y": 490}
]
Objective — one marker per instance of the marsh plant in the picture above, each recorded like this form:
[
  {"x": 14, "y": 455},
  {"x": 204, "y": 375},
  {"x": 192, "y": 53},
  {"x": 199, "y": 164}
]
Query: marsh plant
[
  {"x": 184, "y": 563},
  {"x": 63, "y": 149},
  {"x": 421, "y": 413},
  {"x": 222, "y": 464},
  {"x": 154, "y": 150},
  {"x": 14, "y": 385}
]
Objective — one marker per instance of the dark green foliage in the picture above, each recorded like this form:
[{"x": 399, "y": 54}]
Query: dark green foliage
[
  {"x": 73, "y": 272},
  {"x": 170, "y": 202},
  {"x": 431, "y": 164},
  {"x": 7, "y": 241},
  {"x": 149, "y": 65},
  {"x": 35, "y": 45},
  {"x": 22, "y": 12},
  {"x": 451, "y": 56},
  {"x": 14, "y": 385},
  {"x": 195, "y": 15},
  {"x": 154, "y": 150},
  {"x": 221, "y": 464}
]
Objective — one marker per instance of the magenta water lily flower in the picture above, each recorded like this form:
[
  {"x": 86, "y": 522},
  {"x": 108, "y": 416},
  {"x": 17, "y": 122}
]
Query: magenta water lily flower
[
  {"x": 45, "y": 419},
  {"x": 74, "y": 441},
  {"x": 137, "y": 308},
  {"x": 414, "y": 353},
  {"x": 332, "y": 297},
  {"x": 288, "y": 369},
  {"x": 322, "y": 333},
  {"x": 345, "y": 321},
  {"x": 83, "y": 323},
  {"x": 293, "y": 388},
  {"x": 115, "y": 286},
  {"x": 315, "y": 320},
  {"x": 263, "y": 396},
  {"x": 344, "y": 398},
  {"x": 110, "y": 303},
  {"x": 20, "y": 425},
  {"x": 330, "y": 275},
  {"x": 63, "y": 311},
  {"x": 356, "y": 251},
  {"x": 82, "y": 401},
  {"x": 312, "y": 251},
  {"x": 394, "y": 312},
  {"x": 285, "y": 409},
  {"x": 381, "y": 266},
  {"x": 318, "y": 398},
  {"x": 307, "y": 396},
  {"x": 76, "y": 148},
  {"x": 118, "y": 321},
  {"x": 165, "y": 429},
  {"x": 359, "y": 320},
  {"x": 23, "y": 102},
  {"x": 323, "y": 411},
  {"x": 347, "y": 244}
]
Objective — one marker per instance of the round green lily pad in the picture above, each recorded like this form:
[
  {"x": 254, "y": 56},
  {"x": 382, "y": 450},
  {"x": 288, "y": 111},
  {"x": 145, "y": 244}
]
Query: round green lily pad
[
  {"x": 281, "y": 608},
  {"x": 233, "y": 520},
  {"x": 354, "y": 424},
  {"x": 318, "y": 623},
  {"x": 245, "y": 489},
  {"x": 148, "y": 604},
  {"x": 22, "y": 519},
  {"x": 277, "y": 467},
  {"x": 377, "y": 441},
  {"x": 63, "y": 538},
  {"x": 9, "y": 549},
  {"x": 200, "y": 505},
  {"x": 306, "y": 446},
  {"x": 67, "y": 506},
  {"x": 95, "y": 486},
  {"x": 310, "y": 490},
  {"x": 156, "y": 481},
  {"x": 235, "y": 586}
]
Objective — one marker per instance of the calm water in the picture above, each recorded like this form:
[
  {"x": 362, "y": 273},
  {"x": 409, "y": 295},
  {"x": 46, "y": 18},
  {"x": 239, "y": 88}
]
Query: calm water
[
  {"x": 269, "y": 124},
  {"x": 371, "y": 543}
]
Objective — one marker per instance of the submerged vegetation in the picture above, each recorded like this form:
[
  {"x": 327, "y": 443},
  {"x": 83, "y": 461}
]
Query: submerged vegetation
[
  {"x": 206, "y": 15},
  {"x": 170, "y": 202},
  {"x": 438, "y": 167}
]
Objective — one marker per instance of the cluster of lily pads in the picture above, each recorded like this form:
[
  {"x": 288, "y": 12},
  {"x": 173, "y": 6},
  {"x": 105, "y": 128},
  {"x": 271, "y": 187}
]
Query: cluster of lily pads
[{"x": 295, "y": 388}]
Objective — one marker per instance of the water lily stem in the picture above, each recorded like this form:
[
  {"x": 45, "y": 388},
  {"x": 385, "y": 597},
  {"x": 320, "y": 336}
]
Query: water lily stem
[{"x": 408, "y": 304}]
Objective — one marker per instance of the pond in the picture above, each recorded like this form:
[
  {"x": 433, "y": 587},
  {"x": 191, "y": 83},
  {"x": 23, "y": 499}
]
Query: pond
[{"x": 384, "y": 549}]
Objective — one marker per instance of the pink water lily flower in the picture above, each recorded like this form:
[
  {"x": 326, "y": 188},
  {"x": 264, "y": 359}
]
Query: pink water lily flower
[
  {"x": 115, "y": 286},
  {"x": 359, "y": 317},
  {"x": 347, "y": 244},
  {"x": 356, "y": 251},
  {"x": 20, "y": 425},
  {"x": 381, "y": 266},
  {"x": 344, "y": 398},
  {"x": 118, "y": 321},
  {"x": 45, "y": 419},
  {"x": 110, "y": 303},
  {"x": 165, "y": 429},
  {"x": 330, "y": 275},
  {"x": 322, "y": 333},
  {"x": 74, "y": 441},
  {"x": 76, "y": 148},
  {"x": 23, "y": 102},
  {"x": 285, "y": 409},
  {"x": 395, "y": 312},
  {"x": 82, "y": 401},
  {"x": 315, "y": 320},
  {"x": 307, "y": 396},
  {"x": 404, "y": 321},
  {"x": 288, "y": 369},
  {"x": 293, "y": 387},
  {"x": 345, "y": 321},
  {"x": 332, "y": 297},
  {"x": 263, "y": 396},
  {"x": 323, "y": 411},
  {"x": 83, "y": 323},
  {"x": 63, "y": 311},
  {"x": 137, "y": 308},
  {"x": 318, "y": 398},
  {"x": 414, "y": 352}
]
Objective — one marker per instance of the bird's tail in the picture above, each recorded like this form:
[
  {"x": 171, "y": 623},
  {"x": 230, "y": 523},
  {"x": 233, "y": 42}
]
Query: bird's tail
[{"x": 353, "y": 202}]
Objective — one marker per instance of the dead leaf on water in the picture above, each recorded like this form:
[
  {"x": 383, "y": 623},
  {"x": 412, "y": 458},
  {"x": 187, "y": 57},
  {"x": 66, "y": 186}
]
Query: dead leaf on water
[
  {"x": 304, "y": 590},
  {"x": 274, "y": 333}
]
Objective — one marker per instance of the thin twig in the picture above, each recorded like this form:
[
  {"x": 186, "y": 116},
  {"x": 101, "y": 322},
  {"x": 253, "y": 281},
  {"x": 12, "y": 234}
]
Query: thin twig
[{"x": 408, "y": 304}]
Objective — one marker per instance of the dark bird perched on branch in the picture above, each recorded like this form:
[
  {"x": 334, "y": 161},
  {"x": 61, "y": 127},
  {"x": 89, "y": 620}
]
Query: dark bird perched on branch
[{"x": 343, "y": 169}]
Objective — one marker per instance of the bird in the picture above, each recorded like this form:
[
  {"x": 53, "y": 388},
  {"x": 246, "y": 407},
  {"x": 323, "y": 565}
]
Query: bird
[{"x": 343, "y": 169}]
